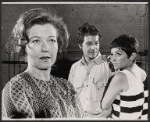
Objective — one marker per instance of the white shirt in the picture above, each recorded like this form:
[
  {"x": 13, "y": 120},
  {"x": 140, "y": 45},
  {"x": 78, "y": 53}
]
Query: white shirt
[{"x": 89, "y": 82}]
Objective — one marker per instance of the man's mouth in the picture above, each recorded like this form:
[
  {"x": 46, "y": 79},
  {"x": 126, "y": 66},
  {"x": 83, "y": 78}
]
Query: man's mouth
[{"x": 93, "y": 52}]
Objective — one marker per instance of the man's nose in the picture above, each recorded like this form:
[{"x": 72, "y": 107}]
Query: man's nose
[{"x": 93, "y": 46}]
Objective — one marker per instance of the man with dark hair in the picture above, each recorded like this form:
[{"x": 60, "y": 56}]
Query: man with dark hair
[{"x": 90, "y": 74}]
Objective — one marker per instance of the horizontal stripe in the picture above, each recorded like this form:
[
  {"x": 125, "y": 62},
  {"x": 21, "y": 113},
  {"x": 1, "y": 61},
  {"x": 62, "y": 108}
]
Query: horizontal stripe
[
  {"x": 131, "y": 110},
  {"x": 130, "y": 116},
  {"x": 146, "y": 99},
  {"x": 114, "y": 117},
  {"x": 130, "y": 104},
  {"x": 117, "y": 102},
  {"x": 145, "y": 106},
  {"x": 115, "y": 113},
  {"x": 132, "y": 98},
  {"x": 116, "y": 107},
  {"x": 144, "y": 117},
  {"x": 126, "y": 116},
  {"x": 145, "y": 112},
  {"x": 146, "y": 93}
]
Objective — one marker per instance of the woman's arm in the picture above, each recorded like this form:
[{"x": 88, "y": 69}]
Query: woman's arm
[{"x": 118, "y": 84}]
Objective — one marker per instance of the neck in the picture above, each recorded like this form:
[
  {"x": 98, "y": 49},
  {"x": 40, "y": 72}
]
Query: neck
[
  {"x": 38, "y": 73},
  {"x": 129, "y": 66},
  {"x": 87, "y": 60}
]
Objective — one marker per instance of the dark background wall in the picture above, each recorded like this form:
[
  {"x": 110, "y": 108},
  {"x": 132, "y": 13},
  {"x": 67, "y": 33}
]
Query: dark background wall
[{"x": 111, "y": 19}]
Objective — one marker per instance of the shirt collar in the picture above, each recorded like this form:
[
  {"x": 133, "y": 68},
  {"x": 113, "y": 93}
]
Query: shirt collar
[{"x": 99, "y": 59}]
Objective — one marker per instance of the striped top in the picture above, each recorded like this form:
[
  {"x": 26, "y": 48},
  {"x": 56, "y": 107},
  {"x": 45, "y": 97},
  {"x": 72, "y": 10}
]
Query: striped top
[
  {"x": 129, "y": 104},
  {"x": 27, "y": 97}
]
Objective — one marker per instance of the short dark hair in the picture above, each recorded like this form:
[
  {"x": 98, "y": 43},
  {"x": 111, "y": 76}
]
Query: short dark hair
[
  {"x": 127, "y": 43},
  {"x": 29, "y": 18},
  {"x": 85, "y": 30}
]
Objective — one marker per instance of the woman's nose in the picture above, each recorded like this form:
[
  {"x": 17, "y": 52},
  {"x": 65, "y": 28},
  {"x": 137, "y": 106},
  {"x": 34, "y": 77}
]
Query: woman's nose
[
  {"x": 112, "y": 58},
  {"x": 44, "y": 46}
]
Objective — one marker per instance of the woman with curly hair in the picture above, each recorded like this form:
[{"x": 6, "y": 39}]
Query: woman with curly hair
[{"x": 37, "y": 37}]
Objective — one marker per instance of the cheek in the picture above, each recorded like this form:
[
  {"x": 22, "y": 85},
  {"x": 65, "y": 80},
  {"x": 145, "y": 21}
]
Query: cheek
[
  {"x": 123, "y": 61},
  {"x": 55, "y": 48},
  {"x": 32, "y": 55},
  {"x": 97, "y": 47}
]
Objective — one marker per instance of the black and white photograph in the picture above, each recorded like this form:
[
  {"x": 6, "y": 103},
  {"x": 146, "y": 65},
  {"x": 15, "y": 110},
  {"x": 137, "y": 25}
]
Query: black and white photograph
[{"x": 75, "y": 60}]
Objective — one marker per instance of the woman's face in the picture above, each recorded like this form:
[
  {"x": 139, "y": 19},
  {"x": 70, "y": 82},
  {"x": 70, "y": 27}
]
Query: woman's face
[
  {"x": 119, "y": 58},
  {"x": 42, "y": 47}
]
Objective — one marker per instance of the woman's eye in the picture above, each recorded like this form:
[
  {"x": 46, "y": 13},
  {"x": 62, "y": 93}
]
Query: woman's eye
[
  {"x": 52, "y": 40},
  {"x": 36, "y": 41},
  {"x": 118, "y": 54}
]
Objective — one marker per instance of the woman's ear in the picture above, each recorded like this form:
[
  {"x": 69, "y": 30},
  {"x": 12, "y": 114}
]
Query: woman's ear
[{"x": 133, "y": 56}]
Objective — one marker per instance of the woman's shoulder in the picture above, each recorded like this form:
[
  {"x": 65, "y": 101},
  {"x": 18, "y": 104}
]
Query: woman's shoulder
[
  {"x": 120, "y": 75},
  {"x": 13, "y": 88},
  {"x": 15, "y": 82},
  {"x": 119, "y": 79},
  {"x": 18, "y": 78}
]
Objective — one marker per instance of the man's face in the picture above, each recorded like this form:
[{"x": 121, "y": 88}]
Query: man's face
[{"x": 90, "y": 47}]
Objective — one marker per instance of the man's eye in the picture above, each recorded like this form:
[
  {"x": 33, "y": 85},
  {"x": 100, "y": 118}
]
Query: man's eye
[
  {"x": 88, "y": 44},
  {"x": 96, "y": 43}
]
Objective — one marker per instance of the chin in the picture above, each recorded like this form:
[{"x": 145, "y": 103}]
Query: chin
[
  {"x": 43, "y": 69},
  {"x": 46, "y": 67},
  {"x": 93, "y": 56},
  {"x": 116, "y": 68}
]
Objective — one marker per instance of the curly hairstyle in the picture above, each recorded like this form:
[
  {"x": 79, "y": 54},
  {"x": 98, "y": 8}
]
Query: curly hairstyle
[
  {"x": 19, "y": 38},
  {"x": 127, "y": 43},
  {"x": 85, "y": 30}
]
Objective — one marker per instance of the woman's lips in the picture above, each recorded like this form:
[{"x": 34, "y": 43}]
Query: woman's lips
[
  {"x": 45, "y": 58},
  {"x": 115, "y": 64}
]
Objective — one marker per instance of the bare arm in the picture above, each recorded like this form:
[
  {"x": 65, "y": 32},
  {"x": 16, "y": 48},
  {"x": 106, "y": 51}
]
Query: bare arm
[{"x": 118, "y": 84}]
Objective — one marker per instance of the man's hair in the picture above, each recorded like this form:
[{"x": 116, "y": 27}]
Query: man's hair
[{"x": 85, "y": 30}]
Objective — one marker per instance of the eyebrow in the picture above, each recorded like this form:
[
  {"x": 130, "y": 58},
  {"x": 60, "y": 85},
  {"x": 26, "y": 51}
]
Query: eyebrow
[
  {"x": 119, "y": 51},
  {"x": 34, "y": 37},
  {"x": 40, "y": 37}
]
